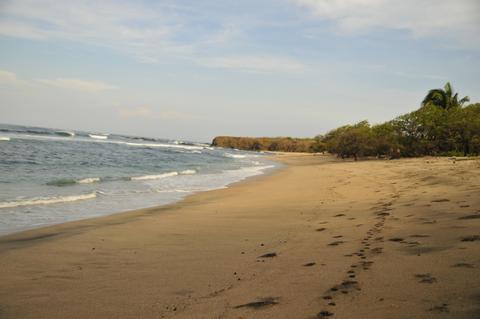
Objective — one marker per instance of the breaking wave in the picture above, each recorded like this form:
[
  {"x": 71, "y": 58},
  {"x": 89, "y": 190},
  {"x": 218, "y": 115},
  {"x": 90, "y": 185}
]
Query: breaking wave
[
  {"x": 47, "y": 200},
  {"x": 69, "y": 181},
  {"x": 163, "y": 175}
]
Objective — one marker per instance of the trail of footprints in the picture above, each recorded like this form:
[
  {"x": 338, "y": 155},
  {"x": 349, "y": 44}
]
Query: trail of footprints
[{"x": 371, "y": 246}]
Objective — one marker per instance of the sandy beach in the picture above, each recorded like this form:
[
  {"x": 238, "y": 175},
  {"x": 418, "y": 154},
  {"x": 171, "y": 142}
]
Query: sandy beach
[{"x": 318, "y": 238}]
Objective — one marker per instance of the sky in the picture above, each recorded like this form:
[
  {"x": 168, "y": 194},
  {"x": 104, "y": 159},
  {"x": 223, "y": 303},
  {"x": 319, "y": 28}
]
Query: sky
[{"x": 197, "y": 69}]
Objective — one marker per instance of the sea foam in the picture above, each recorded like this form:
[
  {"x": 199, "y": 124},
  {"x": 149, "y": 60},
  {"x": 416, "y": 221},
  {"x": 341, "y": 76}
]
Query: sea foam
[
  {"x": 89, "y": 180},
  {"x": 163, "y": 175},
  {"x": 234, "y": 155},
  {"x": 46, "y": 200},
  {"x": 98, "y": 136},
  {"x": 150, "y": 177}
]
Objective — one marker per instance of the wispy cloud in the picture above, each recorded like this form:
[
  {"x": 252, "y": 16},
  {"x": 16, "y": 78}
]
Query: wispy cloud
[
  {"x": 149, "y": 113},
  {"x": 455, "y": 20},
  {"x": 255, "y": 63},
  {"x": 9, "y": 78},
  {"x": 125, "y": 26},
  {"x": 153, "y": 32},
  {"x": 137, "y": 112},
  {"x": 421, "y": 76},
  {"x": 77, "y": 84}
]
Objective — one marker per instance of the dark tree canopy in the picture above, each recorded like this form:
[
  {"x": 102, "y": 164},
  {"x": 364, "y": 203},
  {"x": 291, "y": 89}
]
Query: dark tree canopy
[{"x": 443, "y": 125}]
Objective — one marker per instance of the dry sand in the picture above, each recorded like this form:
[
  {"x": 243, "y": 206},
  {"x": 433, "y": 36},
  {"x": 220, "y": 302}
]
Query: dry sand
[{"x": 371, "y": 239}]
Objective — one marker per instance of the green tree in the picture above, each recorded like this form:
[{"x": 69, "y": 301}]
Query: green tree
[
  {"x": 350, "y": 140},
  {"x": 385, "y": 140},
  {"x": 444, "y": 98},
  {"x": 464, "y": 124}
]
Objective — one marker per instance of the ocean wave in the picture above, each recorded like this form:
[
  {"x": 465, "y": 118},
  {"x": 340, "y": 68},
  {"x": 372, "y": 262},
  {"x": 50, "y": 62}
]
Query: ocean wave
[
  {"x": 47, "y": 200},
  {"x": 163, "y": 175},
  {"x": 181, "y": 146},
  {"x": 234, "y": 155},
  {"x": 88, "y": 180},
  {"x": 188, "y": 172},
  {"x": 150, "y": 177},
  {"x": 26, "y": 131},
  {"x": 98, "y": 136},
  {"x": 249, "y": 171},
  {"x": 65, "y": 133},
  {"x": 70, "y": 181},
  {"x": 4, "y": 139},
  {"x": 174, "y": 191},
  {"x": 104, "y": 138}
]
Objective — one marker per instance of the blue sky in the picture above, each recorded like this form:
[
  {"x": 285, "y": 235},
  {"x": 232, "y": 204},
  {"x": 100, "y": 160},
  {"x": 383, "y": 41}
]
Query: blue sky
[{"x": 196, "y": 69}]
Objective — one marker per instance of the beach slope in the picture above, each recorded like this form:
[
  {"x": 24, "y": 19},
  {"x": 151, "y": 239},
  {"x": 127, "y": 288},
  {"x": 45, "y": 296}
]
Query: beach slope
[{"x": 319, "y": 238}]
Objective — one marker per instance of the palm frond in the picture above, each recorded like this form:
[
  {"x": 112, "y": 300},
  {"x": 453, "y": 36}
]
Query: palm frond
[
  {"x": 448, "y": 89},
  {"x": 464, "y": 100}
]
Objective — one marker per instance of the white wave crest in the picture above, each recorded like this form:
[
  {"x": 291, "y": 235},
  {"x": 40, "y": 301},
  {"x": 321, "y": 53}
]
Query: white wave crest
[
  {"x": 234, "y": 155},
  {"x": 173, "y": 191},
  {"x": 163, "y": 175},
  {"x": 188, "y": 147},
  {"x": 47, "y": 200},
  {"x": 98, "y": 136},
  {"x": 4, "y": 139},
  {"x": 188, "y": 172},
  {"x": 150, "y": 177},
  {"x": 88, "y": 180}
]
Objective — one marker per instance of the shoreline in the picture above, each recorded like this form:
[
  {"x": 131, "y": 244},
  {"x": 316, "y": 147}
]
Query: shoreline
[
  {"x": 370, "y": 239},
  {"x": 270, "y": 170}
]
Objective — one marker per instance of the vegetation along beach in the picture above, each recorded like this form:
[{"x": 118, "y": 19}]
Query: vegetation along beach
[{"x": 254, "y": 159}]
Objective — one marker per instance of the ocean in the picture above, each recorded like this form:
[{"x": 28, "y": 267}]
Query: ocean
[{"x": 50, "y": 176}]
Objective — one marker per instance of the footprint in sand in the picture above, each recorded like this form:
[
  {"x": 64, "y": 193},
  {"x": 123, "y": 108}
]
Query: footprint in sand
[
  {"x": 471, "y": 238},
  {"x": 336, "y": 243},
  {"x": 419, "y": 236},
  {"x": 268, "y": 255},
  {"x": 440, "y": 308},
  {"x": 309, "y": 264},
  {"x": 426, "y": 278},
  {"x": 463, "y": 265},
  {"x": 441, "y": 200},
  {"x": 261, "y": 303},
  {"x": 323, "y": 314},
  {"x": 474, "y": 216},
  {"x": 396, "y": 239}
]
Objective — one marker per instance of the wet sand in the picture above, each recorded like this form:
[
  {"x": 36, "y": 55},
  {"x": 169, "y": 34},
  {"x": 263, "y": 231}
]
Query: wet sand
[{"x": 318, "y": 239}]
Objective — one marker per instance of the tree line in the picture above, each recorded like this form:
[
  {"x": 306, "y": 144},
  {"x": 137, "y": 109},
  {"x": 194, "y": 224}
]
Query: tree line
[
  {"x": 443, "y": 126},
  {"x": 273, "y": 144}
]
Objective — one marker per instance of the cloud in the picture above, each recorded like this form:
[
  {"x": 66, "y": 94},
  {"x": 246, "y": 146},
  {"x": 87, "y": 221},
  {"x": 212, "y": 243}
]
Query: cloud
[
  {"x": 421, "y": 76},
  {"x": 149, "y": 32},
  {"x": 140, "y": 112},
  {"x": 9, "y": 78},
  {"x": 254, "y": 63},
  {"x": 127, "y": 27},
  {"x": 455, "y": 20},
  {"x": 146, "y": 112},
  {"x": 77, "y": 84}
]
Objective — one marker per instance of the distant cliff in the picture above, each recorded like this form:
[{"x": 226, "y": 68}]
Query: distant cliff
[{"x": 280, "y": 144}]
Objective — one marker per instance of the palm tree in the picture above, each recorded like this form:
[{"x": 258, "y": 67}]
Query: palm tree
[{"x": 444, "y": 98}]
